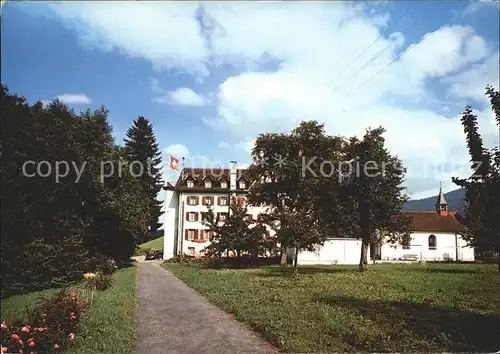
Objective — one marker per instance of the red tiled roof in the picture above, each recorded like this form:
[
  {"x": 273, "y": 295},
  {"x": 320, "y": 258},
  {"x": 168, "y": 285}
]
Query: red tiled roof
[{"x": 432, "y": 221}]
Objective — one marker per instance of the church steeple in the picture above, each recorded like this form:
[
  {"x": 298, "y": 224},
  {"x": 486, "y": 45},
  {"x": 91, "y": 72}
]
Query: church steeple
[{"x": 441, "y": 203}]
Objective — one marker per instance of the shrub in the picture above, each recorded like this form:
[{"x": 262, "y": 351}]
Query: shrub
[
  {"x": 49, "y": 328},
  {"x": 97, "y": 281}
]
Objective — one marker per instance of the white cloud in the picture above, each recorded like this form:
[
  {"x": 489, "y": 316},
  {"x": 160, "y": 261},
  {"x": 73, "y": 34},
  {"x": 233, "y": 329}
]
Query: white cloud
[
  {"x": 177, "y": 150},
  {"x": 185, "y": 96},
  {"x": 477, "y": 5},
  {"x": 224, "y": 145},
  {"x": 69, "y": 98},
  {"x": 317, "y": 78},
  {"x": 182, "y": 96}
]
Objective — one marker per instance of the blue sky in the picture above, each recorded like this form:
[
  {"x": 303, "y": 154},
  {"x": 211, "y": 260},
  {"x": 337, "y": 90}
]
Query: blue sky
[{"x": 212, "y": 76}]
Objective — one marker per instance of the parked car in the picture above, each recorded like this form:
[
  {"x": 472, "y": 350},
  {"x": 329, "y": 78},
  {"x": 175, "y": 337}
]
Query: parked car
[{"x": 154, "y": 254}]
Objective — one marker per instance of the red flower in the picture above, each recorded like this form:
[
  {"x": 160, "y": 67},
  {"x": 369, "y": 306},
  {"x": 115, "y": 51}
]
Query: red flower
[
  {"x": 25, "y": 329},
  {"x": 74, "y": 294},
  {"x": 20, "y": 341},
  {"x": 72, "y": 318},
  {"x": 71, "y": 336},
  {"x": 21, "y": 351},
  {"x": 4, "y": 349},
  {"x": 72, "y": 313},
  {"x": 15, "y": 336},
  {"x": 56, "y": 346},
  {"x": 31, "y": 342}
]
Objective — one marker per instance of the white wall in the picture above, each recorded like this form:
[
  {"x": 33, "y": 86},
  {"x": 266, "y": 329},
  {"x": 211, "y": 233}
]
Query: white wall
[
  {"x": 334, "y": 251},
  {"x": 419, "y": 245},
  {"x": 198, "y": 225},
  {"x": 170, "y": 222}
]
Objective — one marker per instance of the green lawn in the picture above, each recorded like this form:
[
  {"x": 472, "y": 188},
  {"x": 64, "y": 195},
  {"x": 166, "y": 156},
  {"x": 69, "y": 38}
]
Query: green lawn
[
  {"x": 14, "y": 307},
  {"x": 388, "y": 308},
  {"x": 108, "y": 326},
  {"x": 156, "y": 244}
]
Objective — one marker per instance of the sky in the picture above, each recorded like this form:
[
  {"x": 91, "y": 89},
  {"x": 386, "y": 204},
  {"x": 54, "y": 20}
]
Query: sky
[{"x": 212, "y": 76}]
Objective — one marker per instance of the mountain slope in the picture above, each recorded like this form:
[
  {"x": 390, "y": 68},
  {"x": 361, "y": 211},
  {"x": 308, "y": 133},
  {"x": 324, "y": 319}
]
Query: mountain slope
[{"x": 454, "y": 198}]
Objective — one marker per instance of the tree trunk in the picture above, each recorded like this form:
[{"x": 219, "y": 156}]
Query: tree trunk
[
  {"x": 283, "y": 256},
  {"x": 498, "y": 262},
  {"x": 295, "y": 261},
  {"x": 363, "y": 261},
  {"x": 238, "y": 254}
]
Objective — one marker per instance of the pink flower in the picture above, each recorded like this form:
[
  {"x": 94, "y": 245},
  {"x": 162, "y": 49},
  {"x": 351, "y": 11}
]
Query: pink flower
[
  {"x": 71, "y": 336},
  {"x": 72, "y": 317},
  {"x": 21, "y": 351},
  {"x": 4, "y": 349},
  {"x": 56, "y": 346},
  {"x": 20, "y": 341},
  {"x": 4, "y": 326},
  {"x": 31, "y": 342},
  {"x": 72, "y": 313},
  {"x": 40, "y": 329},
  {"x": 74, "y": 294},
  {"x": 14, "y": 336},
  {"x": 25, "y": 329}
]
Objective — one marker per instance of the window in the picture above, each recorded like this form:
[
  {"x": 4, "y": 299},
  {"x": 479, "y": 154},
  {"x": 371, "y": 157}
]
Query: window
[
  {"x": 208, "y": 183},
  {"x": 222, "y": 216},
  {"x": 190, "y": 183},
  {"x": 204, "y": 216},
  {"x": 432, "y": 242},
  {"x": 192, "y": 200},
  {"x": 242, "y": 185},
  {"x": 192, "y": 216},
  {"x": 208, "y": 201},
  {"x": 190, "y": 235},
  {"x": 222, "y": 200},
  {"x": 223, "y": 184},
  {"x": 191, "y": 250},
  {"x": 406, "y": 244},
  {"x": 208, "y": 235}
]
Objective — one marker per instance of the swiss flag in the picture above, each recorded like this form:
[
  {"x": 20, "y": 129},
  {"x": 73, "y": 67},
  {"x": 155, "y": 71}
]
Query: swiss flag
[{"x": 174, "y": 163}]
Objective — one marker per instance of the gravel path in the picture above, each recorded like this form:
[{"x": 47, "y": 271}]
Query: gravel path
[{"x": 173, "y": 318}]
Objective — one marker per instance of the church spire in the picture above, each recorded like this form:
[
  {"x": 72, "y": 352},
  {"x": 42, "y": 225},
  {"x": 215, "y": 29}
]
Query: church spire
[{"x": 441, "y": 203}]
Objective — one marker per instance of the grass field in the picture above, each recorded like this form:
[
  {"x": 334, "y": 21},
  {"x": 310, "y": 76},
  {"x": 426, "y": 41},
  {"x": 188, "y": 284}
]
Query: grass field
[
  {"x": 156, "y": 244},
  {"x": 14, "y": 307},
  {"x": 108, "y": 326},
  {"x": 388, "y": 308}
]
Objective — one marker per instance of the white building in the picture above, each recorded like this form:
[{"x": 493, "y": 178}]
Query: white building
[
  {"x": 435, "y": 235},
  {"x": 187, "y": 199}
]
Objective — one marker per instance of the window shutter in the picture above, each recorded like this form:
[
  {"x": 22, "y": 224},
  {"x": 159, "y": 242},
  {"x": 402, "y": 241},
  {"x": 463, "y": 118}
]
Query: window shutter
[
  {"x": 187, "y": 216},
  {"x": 202, "y": 234},
  {"x": 196, "y": 217},
  {"x": 218, "y": 201},
  {"x": 186, "y": 236},
  {"x": 197, "y": 201},
  {"x": 196, "y": 234}
]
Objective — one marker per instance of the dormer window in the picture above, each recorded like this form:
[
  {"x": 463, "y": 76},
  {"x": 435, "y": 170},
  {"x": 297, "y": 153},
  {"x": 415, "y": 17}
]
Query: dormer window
[
  {"x": 190, "y": 183},
  {"x": 208, "y": 183},
  {"x": 242, "y": 185},
  {"x": 223, "y": 184}
]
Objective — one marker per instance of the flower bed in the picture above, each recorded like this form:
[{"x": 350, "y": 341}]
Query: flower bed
[
  {"x": 53, "y": 324},
  {"x": 49, "y": 328}
]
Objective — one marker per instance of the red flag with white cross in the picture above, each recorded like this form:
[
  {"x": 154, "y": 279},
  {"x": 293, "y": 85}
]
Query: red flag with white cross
[{"x": 174, "y": 163}]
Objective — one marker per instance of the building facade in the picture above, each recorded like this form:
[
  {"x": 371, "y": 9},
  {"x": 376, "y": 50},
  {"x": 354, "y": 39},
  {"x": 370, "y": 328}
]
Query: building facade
[
  {"x": 435, "y": 235},
  {"x": 188, "y": 199}
]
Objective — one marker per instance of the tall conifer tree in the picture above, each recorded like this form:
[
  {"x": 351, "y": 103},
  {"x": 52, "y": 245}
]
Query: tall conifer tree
[{"x": 142, "y": 152}]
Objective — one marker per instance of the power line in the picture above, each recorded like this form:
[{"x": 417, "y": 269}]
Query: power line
[{"x": 373, "y": 58}]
